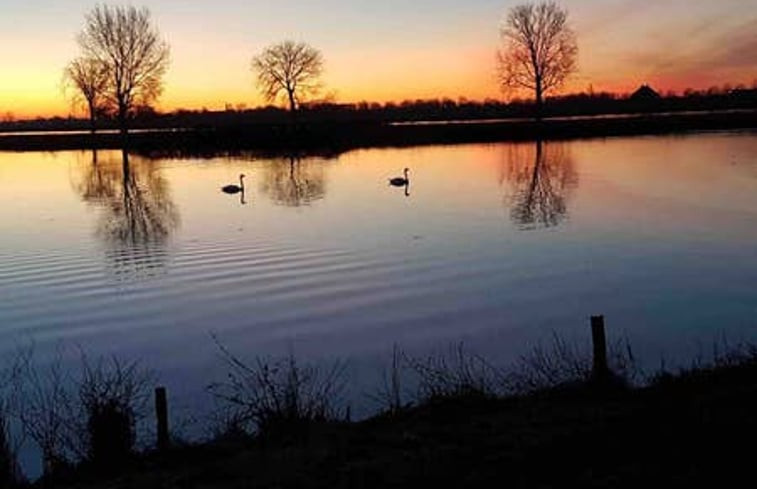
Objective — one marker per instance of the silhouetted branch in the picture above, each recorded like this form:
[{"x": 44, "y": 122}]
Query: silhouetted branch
[
  {"x": 276, "y": 395},
  {"x": 123, "y": 39},
  {"x": 539, "y": 50},
  {"x": 458, "y": 373},
  {"x": 89, "y": 78},
  {"x": 291, "y": 68}
]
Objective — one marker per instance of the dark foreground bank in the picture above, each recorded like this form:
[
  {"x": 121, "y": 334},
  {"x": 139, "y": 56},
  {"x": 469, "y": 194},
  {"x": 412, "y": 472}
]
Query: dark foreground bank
[
  {"x": 693, "y": 429},
  {"x": 336, "y": 137}
]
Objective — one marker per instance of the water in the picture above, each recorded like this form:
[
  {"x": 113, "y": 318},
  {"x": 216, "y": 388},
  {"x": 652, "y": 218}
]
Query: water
[{"x": 496, "y": 245}]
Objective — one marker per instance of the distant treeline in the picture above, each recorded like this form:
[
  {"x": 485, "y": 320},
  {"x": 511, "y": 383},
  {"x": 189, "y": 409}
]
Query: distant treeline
[
  {"x": 584, "y": 104},
  {"x": 332, "y": 138}
]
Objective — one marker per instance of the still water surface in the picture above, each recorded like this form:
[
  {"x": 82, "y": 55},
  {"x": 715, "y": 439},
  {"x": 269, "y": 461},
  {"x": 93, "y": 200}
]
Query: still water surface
[{"x": 496, "y": 245}]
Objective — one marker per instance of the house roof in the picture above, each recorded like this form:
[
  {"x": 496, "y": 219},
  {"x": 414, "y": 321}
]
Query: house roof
[{"x": 645, "y": 92}]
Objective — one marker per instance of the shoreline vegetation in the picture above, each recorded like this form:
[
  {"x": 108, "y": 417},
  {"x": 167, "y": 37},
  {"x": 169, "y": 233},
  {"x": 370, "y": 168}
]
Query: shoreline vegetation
[
  {"x": 323, "y": 136},
  {"x": 555, "y": 418}
]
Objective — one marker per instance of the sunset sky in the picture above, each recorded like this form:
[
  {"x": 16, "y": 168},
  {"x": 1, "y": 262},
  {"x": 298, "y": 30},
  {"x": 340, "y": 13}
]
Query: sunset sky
[{"x": 384, "y": 50}]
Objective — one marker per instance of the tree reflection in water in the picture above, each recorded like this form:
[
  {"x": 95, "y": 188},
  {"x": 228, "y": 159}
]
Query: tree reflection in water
[
  {"x": 138, "y": 216},
  {"x": 541, "y": 178},
  {"x": 293, "y": 182}
]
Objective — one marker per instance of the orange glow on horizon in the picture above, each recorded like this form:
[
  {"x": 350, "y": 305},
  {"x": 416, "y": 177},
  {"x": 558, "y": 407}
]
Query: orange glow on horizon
[
  {"x": 619, "y": 49},
  {"x": 25, "y": 103}
]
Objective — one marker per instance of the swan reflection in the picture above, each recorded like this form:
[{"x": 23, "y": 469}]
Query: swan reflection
[
  {"x": 137, "y": 215},
  {"x": 541, "y": 177},
  {"x": 403, "y": 182},
  {"x": 236, "y": 189}
]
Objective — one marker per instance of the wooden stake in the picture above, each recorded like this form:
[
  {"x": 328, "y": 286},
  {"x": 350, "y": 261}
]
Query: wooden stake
[
  {"x": 161, "y": 412},
  {"x": 599, "y": 342}
]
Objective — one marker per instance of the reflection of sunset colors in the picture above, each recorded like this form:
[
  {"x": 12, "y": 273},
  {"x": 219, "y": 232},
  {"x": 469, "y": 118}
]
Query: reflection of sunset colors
[
  {"x": 385, "y": 51},
  {"x": 542, "y": 175},
  {"x": 292, "y": 182},
  {"x": 137, "y": 214}
]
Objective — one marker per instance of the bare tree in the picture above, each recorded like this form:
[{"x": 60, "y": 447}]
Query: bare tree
[
  {"x": 89, "y": 78},
  {"x": 291, "y": 68},
  {"x": 539, "y": 49},
  {"x": 125, "y": 40}
]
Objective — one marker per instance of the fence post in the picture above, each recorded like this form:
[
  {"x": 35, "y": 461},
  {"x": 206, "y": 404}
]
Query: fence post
[
  {"x": 161, "y": 411},
  {"x": 599, "y": 342}
]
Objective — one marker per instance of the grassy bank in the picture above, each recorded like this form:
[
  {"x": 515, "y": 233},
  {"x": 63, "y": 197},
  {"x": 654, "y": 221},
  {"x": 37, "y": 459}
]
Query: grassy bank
[
  {"x": 335, "y": 137},
  {"x": 691, "y": 428}
]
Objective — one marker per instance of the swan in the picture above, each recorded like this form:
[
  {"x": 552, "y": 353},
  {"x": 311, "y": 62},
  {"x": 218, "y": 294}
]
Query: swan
[
  {"x": 400, "y": 181},
  {"x": 235, "y": 189}
]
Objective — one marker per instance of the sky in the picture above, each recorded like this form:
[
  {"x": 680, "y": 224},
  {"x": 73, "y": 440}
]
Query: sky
[{"x": 383, "y": 50}]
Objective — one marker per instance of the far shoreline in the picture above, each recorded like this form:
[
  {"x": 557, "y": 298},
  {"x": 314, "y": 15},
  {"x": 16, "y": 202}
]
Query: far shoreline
[{"x": 334, "y": 137}]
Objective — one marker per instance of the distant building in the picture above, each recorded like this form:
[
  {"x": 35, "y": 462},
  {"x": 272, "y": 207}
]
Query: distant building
[{"x": 645, "y": 93}]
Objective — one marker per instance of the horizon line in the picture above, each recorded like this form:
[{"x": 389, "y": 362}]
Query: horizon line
[{"x": 7, "y": 117}]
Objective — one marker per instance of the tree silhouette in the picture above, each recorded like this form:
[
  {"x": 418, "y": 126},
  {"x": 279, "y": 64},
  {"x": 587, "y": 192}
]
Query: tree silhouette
[
  {"x": 289, "y": 68},
  {"x": 292, "y": 182},
  {"x": 539, "y": 50},
  {"x": 541, "y": 178},
  {"x": 89, "y": 78},
  {"x": 124, "y": 40}
]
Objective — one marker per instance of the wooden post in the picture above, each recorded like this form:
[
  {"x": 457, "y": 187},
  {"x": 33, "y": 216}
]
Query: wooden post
[
  {"x": 161, "y": 411},
  {"x": 599, "y": 341}
]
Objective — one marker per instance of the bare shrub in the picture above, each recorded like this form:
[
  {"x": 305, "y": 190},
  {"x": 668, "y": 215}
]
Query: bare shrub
[
  {"x": 44, "y": 407},
  {"x": 389, "y": 395},
  {"x": 726, "y": 355},
  {"x": 461, "y": 373},
  {"x": 561, "y": 363},
  {"x": 113, "y": 397},
  {"x": 10, "y": 472},
  {"x": 89, "y": 418},
  {"x": 721, "y": 355},
  {"x": 226, "y": 421},
  {"x": 10, "y": 441},
  {"x": 456, "y": 373},
  {"x": 279, "y": 395}
]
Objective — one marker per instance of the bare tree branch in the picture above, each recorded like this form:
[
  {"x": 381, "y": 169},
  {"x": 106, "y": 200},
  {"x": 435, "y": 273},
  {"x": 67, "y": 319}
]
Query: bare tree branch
[
  {"x": 125, "y": 40},
  {"x": 539, "y": 49},
  {"x": 89, "y": 78},
  {"x": 289, "y": 68}
]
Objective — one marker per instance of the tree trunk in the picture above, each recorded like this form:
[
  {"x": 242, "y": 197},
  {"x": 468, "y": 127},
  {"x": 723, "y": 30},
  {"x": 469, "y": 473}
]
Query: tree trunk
[
  {"x": 293, "y": 113},
  {"x": 539, "y": 100},
  {"x": 292, "y": 103},
  {"x": 92, "y": 109},
  {"x": 122, "y": 124}
]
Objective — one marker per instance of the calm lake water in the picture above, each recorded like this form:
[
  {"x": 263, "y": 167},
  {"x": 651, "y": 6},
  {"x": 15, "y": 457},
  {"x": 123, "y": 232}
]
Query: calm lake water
[{"x": 496, "y": 245}]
